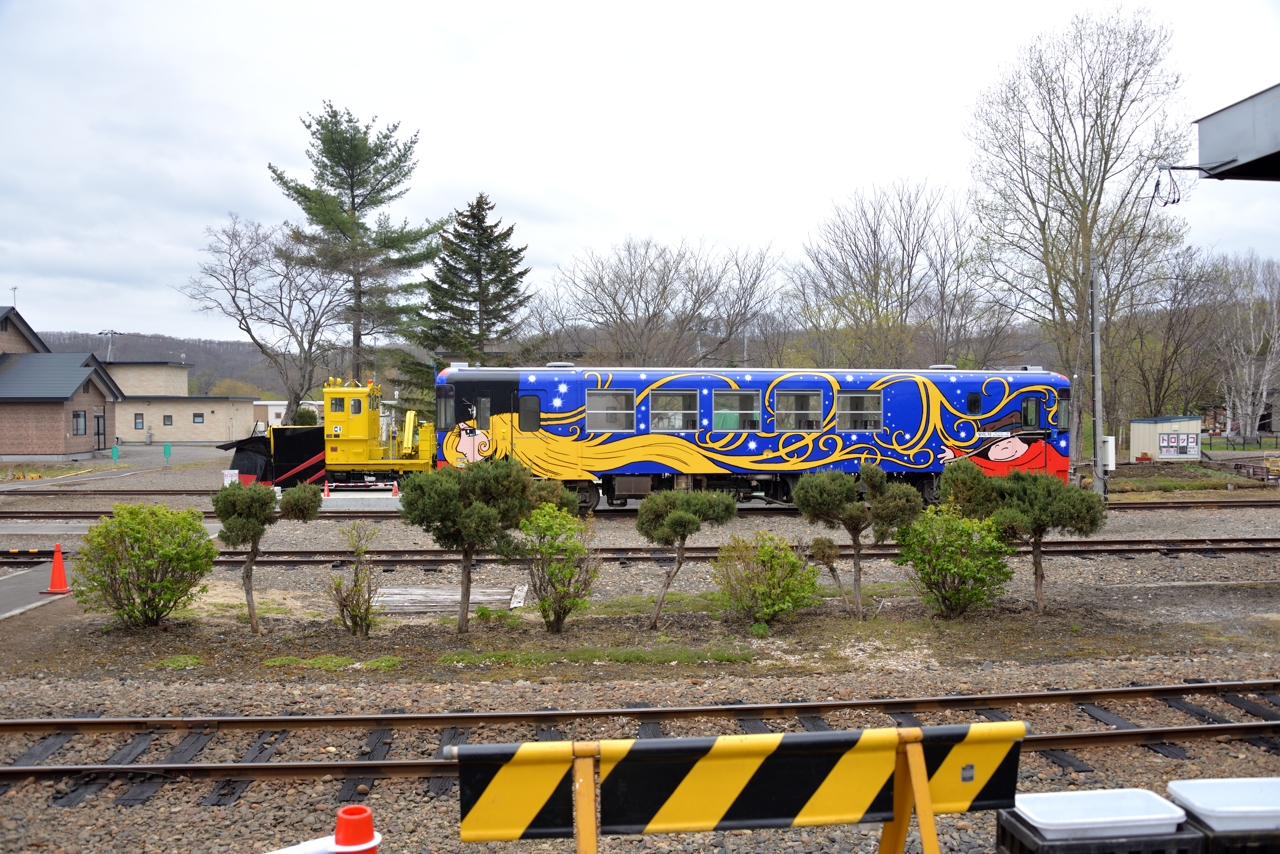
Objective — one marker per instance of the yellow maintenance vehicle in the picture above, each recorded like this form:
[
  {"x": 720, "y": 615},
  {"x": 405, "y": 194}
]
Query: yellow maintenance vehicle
[
  {"x": 346, "y": 449},
  {"x": 354, "y": 451}
]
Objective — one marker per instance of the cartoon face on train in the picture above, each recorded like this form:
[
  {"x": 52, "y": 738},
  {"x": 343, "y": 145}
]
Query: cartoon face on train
[{"x": 574, "y": 424}]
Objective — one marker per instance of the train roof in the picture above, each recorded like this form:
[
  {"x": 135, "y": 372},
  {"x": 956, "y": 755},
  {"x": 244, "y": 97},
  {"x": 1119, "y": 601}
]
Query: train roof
[{"x": 1024, "y": 370}]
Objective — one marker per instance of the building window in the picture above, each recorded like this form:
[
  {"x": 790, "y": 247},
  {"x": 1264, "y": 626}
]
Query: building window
[
  {"x": 530, "y": 413},
  {"x": 197, "y": 418},
  {"x": 336, "y": 404},
  {"x": 859, "y": 410},
  {"x": 168, "y": 421},
  {"x": 79, "y": 424},
  {"x": 137, "y": 421},
  {"x": 798, "y": 410},
  {"x": 673, "y": 410},
  {"x": 86, "y": 386},
  {"x": 736, "y": 410},
  {"x": 278, "y": 416},
  {"x": 610, "y": 411}
]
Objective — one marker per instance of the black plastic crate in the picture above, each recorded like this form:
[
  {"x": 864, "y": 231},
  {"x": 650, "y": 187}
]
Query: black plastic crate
[
  {"x": 1016, "y": 836},
  {"x": 1236, "y": 841}
]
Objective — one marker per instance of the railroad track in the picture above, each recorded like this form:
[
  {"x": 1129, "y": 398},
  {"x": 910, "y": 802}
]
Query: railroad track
[
  {"x": 435, "y": 558},
  {"x": 1255, "y": 700}
]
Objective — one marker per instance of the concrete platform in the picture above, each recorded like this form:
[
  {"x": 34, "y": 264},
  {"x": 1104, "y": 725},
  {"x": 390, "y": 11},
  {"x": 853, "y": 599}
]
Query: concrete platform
[
  {"x": 20, "y": 591},
  {"x": 380, "y": 500}
]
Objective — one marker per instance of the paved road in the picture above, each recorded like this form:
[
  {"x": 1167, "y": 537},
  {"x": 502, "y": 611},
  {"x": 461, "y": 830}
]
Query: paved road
[{"x": 20, "y": 591}]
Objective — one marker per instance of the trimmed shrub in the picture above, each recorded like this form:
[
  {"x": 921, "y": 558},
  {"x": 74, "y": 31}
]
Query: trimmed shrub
[
  {"x": 301, "y": 503},
  {"x": 670, "y": 518},
  {"x": 245, "y": 513},
  {"x": 956, "y": 563},
  {"x": 763, "y": 578},
  {"x": 354, "y": 601},
  {"x": 305, "y": 417},
  {"x": 562, "y": 568},
  {"x": 143, "y": 563}
]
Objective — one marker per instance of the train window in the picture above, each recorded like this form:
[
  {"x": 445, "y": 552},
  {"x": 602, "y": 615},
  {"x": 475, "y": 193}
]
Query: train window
[
  {"x": 611, "y": 411},
  {"x": 799, "y": 410},
  {"x": 1030, "y": 413},
  {"x": 859, "y": 410},
  {"x": 445, "y": 414},
  {"x": 974, "y": 403},
  {"x": 670, "y": 411},
  {"x": 355, "y": 406},
  {"x": 337, "y": 404},
  {"x": 483, "y": 410},
  {"x": 530, "y": 413},
  {"x": 736, "y": 410}
]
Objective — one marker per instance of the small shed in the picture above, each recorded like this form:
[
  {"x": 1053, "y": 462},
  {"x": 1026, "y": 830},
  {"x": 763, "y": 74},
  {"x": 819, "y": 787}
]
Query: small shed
[{"x": 1171, "y": 437}]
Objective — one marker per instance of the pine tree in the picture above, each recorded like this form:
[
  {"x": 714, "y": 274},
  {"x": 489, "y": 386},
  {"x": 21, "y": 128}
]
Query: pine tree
[
  {"x": 477, "y": 290},
  {"x": 357, "y": 171}
]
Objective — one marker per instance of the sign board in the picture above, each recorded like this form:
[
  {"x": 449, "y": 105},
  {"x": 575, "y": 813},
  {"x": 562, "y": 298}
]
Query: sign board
[{"x": 1183, "y": 446}]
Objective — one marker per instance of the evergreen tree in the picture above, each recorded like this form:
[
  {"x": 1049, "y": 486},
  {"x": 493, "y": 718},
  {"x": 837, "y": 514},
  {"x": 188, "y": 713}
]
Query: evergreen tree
[
  {"x": 477, "y": 290},
  {"x": 355, "y": 172}
]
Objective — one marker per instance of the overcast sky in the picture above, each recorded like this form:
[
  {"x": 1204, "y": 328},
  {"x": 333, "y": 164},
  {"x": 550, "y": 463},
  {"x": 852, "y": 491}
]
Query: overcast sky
[{"x": 126, "y": 129}]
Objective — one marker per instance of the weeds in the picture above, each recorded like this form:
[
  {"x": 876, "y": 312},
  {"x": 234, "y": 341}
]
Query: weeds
[
  {"x": 595, "y": 655},
  {"x": 181, "y": 662}
]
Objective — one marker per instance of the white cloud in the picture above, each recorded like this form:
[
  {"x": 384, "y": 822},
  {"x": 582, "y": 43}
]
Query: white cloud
[{"x": 130, "y": 128}]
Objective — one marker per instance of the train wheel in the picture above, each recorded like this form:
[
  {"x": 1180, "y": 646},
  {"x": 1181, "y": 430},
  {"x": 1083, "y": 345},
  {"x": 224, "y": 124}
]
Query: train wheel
[
  {"x": 588, "y": 496},
  {"x": 929, "y": 490}
]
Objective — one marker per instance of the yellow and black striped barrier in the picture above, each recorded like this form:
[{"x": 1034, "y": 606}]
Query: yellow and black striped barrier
[{"x": 531, "y": 791}]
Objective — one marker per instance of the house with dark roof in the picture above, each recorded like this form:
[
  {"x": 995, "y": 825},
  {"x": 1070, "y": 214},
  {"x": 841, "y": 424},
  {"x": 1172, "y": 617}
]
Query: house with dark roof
[{"x": 53, "y": 406}]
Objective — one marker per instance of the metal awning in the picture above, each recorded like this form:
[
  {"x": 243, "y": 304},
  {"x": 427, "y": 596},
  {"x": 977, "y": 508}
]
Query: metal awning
[{"x": 1242, "y": 141}]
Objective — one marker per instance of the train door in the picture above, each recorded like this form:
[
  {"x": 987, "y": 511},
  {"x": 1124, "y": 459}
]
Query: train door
[{"x": 1033, "y": 430}]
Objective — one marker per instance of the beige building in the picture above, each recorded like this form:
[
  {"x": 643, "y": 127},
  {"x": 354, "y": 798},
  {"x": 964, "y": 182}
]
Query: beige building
[
  {"x": 157, "y": 408},
  {"x": 179, "y": 420},
  {"x": 150, "y": 379}
]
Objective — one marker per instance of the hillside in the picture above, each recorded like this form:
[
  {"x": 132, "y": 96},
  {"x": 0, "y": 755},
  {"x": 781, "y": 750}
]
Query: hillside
[{"x": 211, "y": 360}]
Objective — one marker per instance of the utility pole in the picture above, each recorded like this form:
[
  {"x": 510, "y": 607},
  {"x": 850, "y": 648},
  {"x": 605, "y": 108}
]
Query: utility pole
[{"x": 1099, "y": 472}]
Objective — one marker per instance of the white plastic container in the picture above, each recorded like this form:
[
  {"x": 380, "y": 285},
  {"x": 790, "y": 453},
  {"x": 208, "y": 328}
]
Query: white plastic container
[
  {"x": 230, "y": 476},
  {"x": 1239, "y": 803},
  {"x": 1099, "y": 814}
]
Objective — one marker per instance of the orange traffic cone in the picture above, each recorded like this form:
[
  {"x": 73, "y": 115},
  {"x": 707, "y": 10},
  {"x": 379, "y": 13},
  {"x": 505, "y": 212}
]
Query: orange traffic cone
[
  {"x": 58, "y": 579},
  {"x": 355, "y": 830},
  {"x": 395, "y": 489},
  {"x": 326, "y": 488}
]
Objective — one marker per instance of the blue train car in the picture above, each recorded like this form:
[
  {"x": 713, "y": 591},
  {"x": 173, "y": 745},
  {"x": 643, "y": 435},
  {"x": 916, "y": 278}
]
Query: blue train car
[{"x": 625, "y": 432}]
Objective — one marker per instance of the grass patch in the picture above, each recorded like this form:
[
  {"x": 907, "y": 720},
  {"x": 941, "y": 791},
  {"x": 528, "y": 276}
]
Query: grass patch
[
  {"x": 181, "y": 662},
  {"x": 596, "y": 655},
  {"x": 676, "y": 603},
  {"x": 283, "y": 661},
  {"x": 330, "y": 662},
  {"x": 382, "y": 662},
  {"x": 1178, "y": 484}
]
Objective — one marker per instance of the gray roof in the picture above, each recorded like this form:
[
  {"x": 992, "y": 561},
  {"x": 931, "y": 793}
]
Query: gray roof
[
  {"x": 12, "y": 314},
  {"x": 51, "y": 377}
]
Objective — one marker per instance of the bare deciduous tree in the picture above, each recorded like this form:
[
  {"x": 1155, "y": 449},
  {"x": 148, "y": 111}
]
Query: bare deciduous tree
[
  {"x": 1250, "y": 357},
  {"x": 863, "y": 276},
  {"x": 260, "y": 278},
  {"x": 1066, "y": 142},
  {"x": 650, "y": 304}
]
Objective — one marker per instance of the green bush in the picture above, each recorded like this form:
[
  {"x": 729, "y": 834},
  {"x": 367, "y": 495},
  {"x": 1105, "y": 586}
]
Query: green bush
[
  {"x": 305, "y": 417},
  {"x": 562, "y": 568},
  {"x": 956, "y": 563},
  {"x": 354, "y": 601},
  {"x": 143, "y": 563},
  {"x": 301, "y": 503},
  {"x": 763, "y": 578}
]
